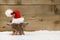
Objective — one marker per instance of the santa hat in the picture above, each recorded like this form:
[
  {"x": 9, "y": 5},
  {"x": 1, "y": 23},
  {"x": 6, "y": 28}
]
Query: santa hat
[{"x": 8, "y": 12}]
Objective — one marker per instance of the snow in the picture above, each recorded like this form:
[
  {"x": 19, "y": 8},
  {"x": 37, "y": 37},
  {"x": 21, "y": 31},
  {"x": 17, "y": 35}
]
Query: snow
[{"x": 36, "y": 35}]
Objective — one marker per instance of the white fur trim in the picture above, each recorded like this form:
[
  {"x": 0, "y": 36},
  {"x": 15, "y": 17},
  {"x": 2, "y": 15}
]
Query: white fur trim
[
  {"x": 18, "y": 20},
  {"x": 8, "y": 12}
]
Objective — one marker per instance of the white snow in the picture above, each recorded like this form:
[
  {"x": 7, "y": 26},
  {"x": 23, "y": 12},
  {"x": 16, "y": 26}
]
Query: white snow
[{"x": 36, "y": 35}]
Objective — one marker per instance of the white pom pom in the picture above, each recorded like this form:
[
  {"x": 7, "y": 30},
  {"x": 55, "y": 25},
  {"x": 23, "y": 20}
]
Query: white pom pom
[{"x": 8, "y": 12}]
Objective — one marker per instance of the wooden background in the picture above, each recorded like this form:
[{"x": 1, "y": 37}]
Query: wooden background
[{"x": 40, "y": 14}]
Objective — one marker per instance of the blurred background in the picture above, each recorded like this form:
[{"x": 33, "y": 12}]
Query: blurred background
[{"x": 40, "y": 14}]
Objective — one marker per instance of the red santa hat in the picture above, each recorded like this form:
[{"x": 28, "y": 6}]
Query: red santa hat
[
  {"x": 8, "y": 12},
  {"x": 17, "y": 18}
]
